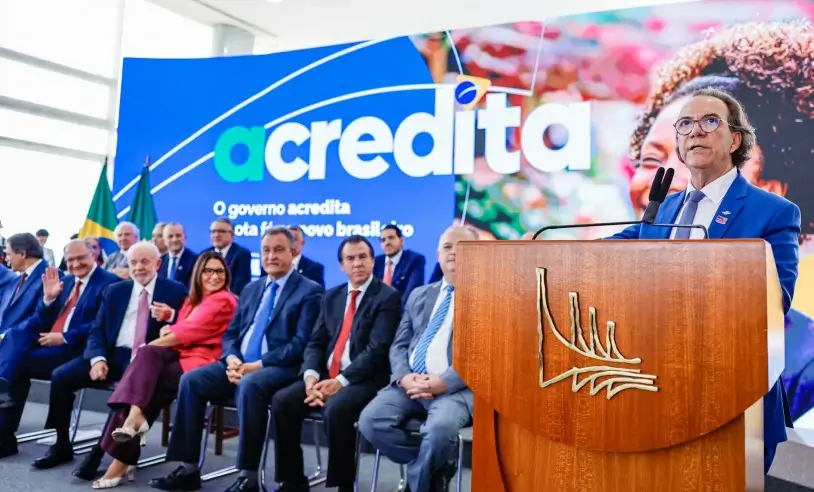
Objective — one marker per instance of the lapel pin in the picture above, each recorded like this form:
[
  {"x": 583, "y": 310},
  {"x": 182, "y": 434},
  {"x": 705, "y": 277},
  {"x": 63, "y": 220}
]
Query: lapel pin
[
  {"x": 721, "y": 219},
  {"x": 726, "y": 212}
]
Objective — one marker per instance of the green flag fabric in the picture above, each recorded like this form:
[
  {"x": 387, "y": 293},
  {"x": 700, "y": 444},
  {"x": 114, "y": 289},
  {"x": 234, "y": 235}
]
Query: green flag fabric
[
  {"x": 101, "y": 220},
  {"x": 142, "y": 211}
]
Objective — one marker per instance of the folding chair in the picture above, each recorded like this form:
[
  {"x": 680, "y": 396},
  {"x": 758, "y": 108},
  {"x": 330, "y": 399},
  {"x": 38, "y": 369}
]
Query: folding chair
[
  {"x": 317, "y": 476},
  {"x": 413, "y": 426}
]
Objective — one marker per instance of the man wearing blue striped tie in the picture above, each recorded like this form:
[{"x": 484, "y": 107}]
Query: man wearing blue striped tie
[{"x": 425, "y": 386}]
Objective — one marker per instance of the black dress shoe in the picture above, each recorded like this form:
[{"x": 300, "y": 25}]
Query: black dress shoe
[
  {"x": 440, "y": 480},
  {"x": 243, "y": 484},
  {"x": 55, "y": 456},
  {"x": 5, "y": 398},
  {"x": 88, "y": 469},
  {"x": 178, "y": 479},
  {"x": 293, "y": 487}
]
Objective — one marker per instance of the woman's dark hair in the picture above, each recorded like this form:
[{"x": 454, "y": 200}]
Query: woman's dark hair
[
  {"x": 196, "y": 287},
  {"x": 766, "y": 66}
]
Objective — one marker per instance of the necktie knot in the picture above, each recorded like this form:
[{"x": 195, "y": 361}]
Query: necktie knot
[
  {"x": 354, "y": 294},
  {"x": 450, "y": 288},
  {"x": 697, "y": 195}
]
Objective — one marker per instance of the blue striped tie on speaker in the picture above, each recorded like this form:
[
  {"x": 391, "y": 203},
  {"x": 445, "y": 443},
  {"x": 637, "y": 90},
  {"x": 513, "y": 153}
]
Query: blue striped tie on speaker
[{"x": 420, "y": 358}]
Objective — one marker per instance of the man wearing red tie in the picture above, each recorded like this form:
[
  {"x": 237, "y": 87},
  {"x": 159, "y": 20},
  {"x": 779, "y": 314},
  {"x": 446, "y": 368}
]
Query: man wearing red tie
[
  {"x": 56, "y": 333},
  {"x": 346, "y": 364},
  {"x": 399, "y": 268},
  {"x": 123, "y": 324}
]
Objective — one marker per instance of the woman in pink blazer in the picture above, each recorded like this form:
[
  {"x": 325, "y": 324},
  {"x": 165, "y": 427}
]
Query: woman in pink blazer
[{"x": 151, "y": 381}]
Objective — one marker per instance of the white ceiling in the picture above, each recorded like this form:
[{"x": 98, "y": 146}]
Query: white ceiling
[{"x": 292, "y": 24}]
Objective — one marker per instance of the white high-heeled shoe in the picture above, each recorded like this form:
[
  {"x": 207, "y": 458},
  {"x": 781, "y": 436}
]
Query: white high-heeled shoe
[
  {"x": 109, "y": 483},
  {"x": 125, "y": 434}
]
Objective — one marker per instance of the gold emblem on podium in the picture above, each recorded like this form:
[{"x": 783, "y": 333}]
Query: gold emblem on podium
[{"x": 613, "y": 379}]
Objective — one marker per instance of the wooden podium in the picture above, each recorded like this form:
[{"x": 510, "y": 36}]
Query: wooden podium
[{"x": 624, "y": 366}]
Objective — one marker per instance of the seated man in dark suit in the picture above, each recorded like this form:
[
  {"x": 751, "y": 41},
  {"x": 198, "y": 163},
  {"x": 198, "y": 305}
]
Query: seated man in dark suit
[
  {"x": 309, "y": 268},
  {"x": 239, "y": 259},
  {"x": 401, "y": 268},
  {"x": 122, "y": 325},
  {"x": 178, "y": 261},
  {"x": 425, "y": 385},
  {"x": 22, "y": 298},
  {"x": 346, "y": 364},
  {"x": 58, "y": 333},
  {"x": 262, "y": 353}
]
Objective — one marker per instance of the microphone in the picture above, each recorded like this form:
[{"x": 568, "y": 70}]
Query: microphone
[{"x": 658, "y": 192}]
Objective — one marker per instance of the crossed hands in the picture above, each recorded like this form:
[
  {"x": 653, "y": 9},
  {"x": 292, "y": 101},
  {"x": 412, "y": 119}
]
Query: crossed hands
[
  {"x": 236, "y": 369},
  {"x": 317, "y": 392},
  {"x": 423, "y": 386}
]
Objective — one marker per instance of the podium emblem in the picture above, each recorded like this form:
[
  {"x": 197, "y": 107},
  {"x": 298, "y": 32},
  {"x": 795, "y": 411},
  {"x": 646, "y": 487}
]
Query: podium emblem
[{"x": 601, "y": 375}]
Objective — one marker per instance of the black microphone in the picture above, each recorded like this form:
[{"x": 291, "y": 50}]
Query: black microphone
[{"x": 658, "y": 192}]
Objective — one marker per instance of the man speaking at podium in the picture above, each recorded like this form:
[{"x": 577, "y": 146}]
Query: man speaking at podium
[{"x": 714, "y": 139}]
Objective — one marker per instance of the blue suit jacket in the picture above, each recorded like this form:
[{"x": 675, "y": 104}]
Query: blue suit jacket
[
  {"x": 312, "y": 270},
  {"x": 239, "y": 260},
  {"x": 183, "y": 273},
  {"x": 408, "y": 275},
  {"x": 290, "y": 326},
  {"x": 105, "y": 328},
  {"x": 19, "y": 309},
  {"x": 86, "y": 309},
  {"x": 753, "y": 213}
]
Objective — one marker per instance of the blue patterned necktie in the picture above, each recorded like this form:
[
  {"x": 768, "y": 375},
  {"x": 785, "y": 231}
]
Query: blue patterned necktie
[
  {"x": 688, "y": 215},
  {"x": 255, "y": 348},
  {"x": 420, "y": 358},
  {"x": 173, "y": 267}
]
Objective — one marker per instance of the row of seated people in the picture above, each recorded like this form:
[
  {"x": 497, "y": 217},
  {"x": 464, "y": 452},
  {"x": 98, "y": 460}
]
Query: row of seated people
[
  {"x": 287, "y": 345},
  {"x": 398, "y": 267}
]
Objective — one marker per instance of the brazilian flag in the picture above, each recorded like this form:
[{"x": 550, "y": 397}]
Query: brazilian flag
[
  {"x": 101, "y": 220},
  {"x": 142, "y": 211}
]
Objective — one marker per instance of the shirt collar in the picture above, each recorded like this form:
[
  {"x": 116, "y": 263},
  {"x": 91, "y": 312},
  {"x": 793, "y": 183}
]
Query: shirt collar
[
  {"x": 362, "y": 288},
  {"x": 296, "y": 261},
  {"x": 444, "y": 285},
  {"x": 30, "y": 270},
  {"x": 86, "y": 278},
  {"x": 396, "y": 257},
  {"x": 280, "y": 281},
  {"x": 716, "y": 190},
  {"x": 180, "y": 253},
  {"x": 225, "y": 250},
  {"x": 150, "y": 287}
]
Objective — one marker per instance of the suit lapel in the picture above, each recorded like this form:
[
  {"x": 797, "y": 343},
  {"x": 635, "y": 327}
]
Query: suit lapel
[
  {"x": 290, "y": 286},
  {"x": 429, "y": 304},
  {"x": 67, "y": 292},
  {"x": 729, "y": 208},
  {"x": 31, "y": 280},
  {"x": 230, "y": 255},
  {"x": 364, "y": 306},
  {"x": 338, "y": 307},
  {"x": 257, "y": 298},
  {"x": 121, "y": 305},
  {"x": 667, "y": 215}
]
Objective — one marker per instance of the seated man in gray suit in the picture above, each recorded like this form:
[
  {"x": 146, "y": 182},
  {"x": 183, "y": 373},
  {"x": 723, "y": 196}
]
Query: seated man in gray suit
[{"x": 425, "y": 386}]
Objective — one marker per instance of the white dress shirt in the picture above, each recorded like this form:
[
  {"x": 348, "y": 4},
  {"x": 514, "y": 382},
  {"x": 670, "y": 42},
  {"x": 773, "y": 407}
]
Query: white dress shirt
[
  {"x": 224, "y": 251},
  {"x": 83, "y": 283},
  {"x": 395, "y": 259},
  {"x": 714, "y": 193},
  {"x": 174, "y": 258},
  {"x": 296, "y": 262},
  {"x": 438, "y": 351},
  {"x": 127, "y": 332},
  {"x": 244, "y": 344},
  {"x": 344, "y": 362}
]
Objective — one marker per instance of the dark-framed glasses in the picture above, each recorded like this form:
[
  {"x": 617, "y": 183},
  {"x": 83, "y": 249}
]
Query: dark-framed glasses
[
  {"x": 708, "y": 124},
  {"x": 214, "y": 271}
]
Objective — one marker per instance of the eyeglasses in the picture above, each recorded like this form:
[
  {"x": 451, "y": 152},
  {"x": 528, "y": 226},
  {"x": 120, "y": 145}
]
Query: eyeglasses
[
  {"x": 214, "y": 271},
  {"x": 708, "y": 124}
]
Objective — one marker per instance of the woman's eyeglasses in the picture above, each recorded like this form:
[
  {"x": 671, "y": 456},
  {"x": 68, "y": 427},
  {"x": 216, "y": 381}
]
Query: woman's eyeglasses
[{"x": 214, "y": 271}]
